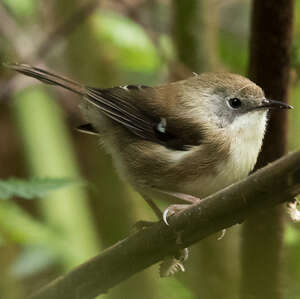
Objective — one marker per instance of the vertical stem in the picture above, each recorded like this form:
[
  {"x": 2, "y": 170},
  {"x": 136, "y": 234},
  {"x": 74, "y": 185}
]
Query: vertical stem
[
  {"x": 270, "y": 48},
  {"x": 187, "y": 27},
  {"x": 49, "y": 153},
  {"x": 194, "y": 32}
]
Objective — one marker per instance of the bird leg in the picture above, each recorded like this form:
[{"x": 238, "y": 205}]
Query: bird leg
[
  {"x": 186, "y": 198},
  {"x": 142, "y": 224},
  {"x": 175, "y": 208},
  {"x": 153, "y": 206}
]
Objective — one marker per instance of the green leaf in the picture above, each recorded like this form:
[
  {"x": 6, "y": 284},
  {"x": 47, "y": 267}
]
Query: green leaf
[
  {"x": 37, "y": 187},
  {"x": 21, "y": 7},
  {"x": 128, "y": 43},
  {"x": 19, "y": 226}
]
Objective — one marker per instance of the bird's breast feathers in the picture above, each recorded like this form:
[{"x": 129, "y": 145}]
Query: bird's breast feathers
[
  {"x": 247, "y": 133},
  {"x": 245, "y": 139}
]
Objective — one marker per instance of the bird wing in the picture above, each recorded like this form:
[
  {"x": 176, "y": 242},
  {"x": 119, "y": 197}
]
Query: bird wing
[
  {"x": 127, "y": 106},
  {"x": 118, "y": 104}
]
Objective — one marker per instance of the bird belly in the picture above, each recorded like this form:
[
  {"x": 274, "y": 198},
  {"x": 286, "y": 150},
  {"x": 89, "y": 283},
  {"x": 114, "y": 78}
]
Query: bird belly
[{"x": 206, "y": 185}]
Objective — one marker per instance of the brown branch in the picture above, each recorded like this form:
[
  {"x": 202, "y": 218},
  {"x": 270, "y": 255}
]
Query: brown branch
[
  {"x": 262, "y": 190},
  {"x": 270, "y": 47}
]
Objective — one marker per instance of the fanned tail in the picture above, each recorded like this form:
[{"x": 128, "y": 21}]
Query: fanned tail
[{"x": 47, "y": 77}]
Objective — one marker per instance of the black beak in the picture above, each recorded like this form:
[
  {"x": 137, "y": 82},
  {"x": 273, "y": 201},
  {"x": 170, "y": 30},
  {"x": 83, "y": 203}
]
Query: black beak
[{"x": 271, "y": 104}]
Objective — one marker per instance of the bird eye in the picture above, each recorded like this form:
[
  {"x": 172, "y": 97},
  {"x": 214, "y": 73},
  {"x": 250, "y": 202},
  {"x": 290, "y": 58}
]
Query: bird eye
[{"x": 235, "y": 103}]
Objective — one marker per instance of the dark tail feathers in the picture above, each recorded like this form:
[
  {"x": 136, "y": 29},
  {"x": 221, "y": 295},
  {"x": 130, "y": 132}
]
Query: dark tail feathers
[{"x": 47, "y": 77}]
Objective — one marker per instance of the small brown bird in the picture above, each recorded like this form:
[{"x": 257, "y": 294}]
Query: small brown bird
[
  {"x": 183, "y": 140},
  {"x": 186, "y": 139}
]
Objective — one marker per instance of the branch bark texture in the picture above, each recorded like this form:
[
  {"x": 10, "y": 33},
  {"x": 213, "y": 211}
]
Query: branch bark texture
[{"x": 264, "y": 189}]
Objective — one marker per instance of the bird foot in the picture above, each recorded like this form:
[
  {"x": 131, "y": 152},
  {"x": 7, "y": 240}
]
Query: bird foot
[
  {"x": 293, "y": 211},
  {"x": 173, "y": 209},
  {"x": 174, "y": 264},
  {"x": 223, "y": 232}
]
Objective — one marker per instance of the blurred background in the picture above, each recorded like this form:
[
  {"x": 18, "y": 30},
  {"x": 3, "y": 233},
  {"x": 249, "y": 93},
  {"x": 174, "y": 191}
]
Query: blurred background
[{"x": 103, "y": 44}]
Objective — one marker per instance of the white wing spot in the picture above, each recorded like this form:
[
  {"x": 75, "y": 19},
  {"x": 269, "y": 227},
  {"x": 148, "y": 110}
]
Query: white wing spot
[
  {"x": 125, "y": 87},
  {"x": 162, "y": 125}
]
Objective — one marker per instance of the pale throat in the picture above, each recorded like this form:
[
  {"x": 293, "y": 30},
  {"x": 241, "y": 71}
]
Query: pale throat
[{"x": 247, "y": 133}]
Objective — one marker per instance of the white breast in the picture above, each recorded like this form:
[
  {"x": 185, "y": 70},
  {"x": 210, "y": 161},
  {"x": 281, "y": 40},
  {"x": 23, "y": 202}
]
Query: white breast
[{"x": 247, "y": 133}]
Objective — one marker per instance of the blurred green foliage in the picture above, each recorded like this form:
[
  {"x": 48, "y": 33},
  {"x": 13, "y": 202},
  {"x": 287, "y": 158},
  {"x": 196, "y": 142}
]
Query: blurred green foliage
[
  {"x": 127, "y": 42},
  {"x": 19, "y": 226},
  {"x": 36, "y": 187},
  {"x": 21, "y": 8},
  {"x": 234, "y": 53},
  {"x": 117, "y": 42}
]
